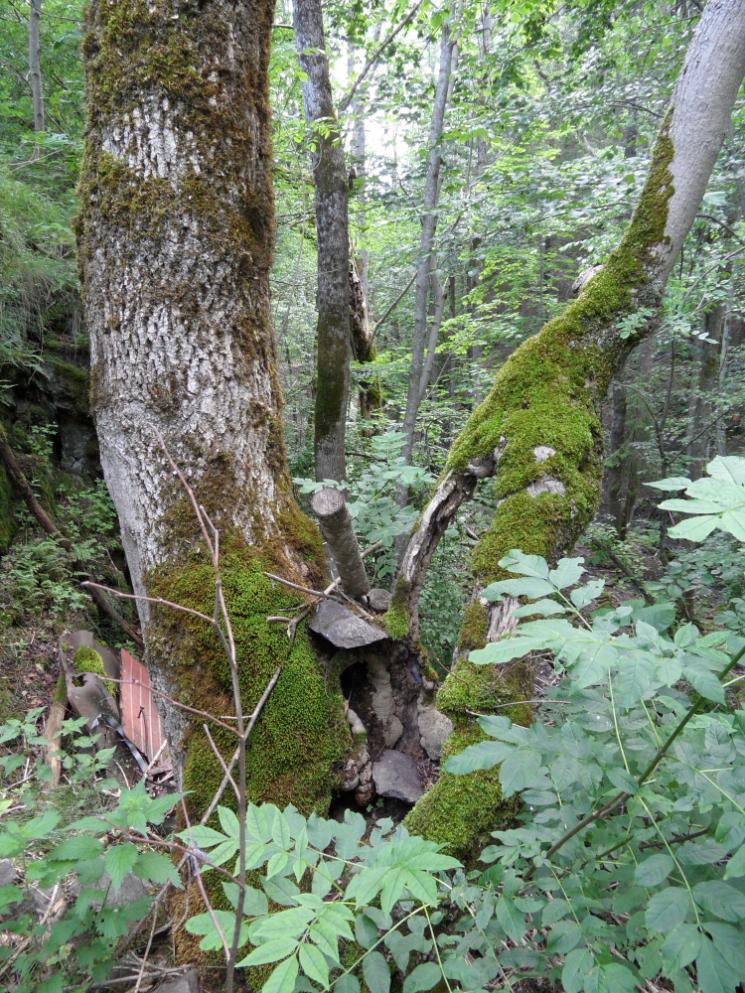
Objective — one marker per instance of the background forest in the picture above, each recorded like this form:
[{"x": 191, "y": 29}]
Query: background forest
[
  {"x": 494, "y": 152},
  {"x": 549, "y": 121}
]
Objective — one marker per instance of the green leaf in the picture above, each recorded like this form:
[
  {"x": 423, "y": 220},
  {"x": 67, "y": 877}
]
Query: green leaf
[
  {"x": 423, "y": 977},
  {"x": 653, "y": 870},
  {"x": 544, "y": 608},
  {"x": 228, "y": 822},
  {"x": 511, "y": 919},
  {"x": 376, "y": 973},
  {"x": 314, "y": 965},
  {"x": 568, "y": 572},
  {"x": 505, "y": 650},
  {"x": 484, "y": 755},
  {"x": 76, "y": 849},
  {"x": 706, "y": 684},
  {"x": 527, "y": 587},
  {"x": 736, "y": 865},
  {"x": 721, "y": 899},
  {"x": 156, "y": 868},
  {"x": 202, "y": 836},
  {"x": 282, "y": 980},
  {"x": 671, "y": 484},
  {"x": 269, "y": 951},
  {"x": 525, "y": 565},
  {"x": 667, "y": 909},
  {"x": 577, "y": 965},
  {"x": 119, "y": 861},
  {"x": 714, "y": 974},
  {"x": 681, "y": 946}
]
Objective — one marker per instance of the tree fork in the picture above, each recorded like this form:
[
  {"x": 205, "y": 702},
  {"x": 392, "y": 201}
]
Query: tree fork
[{"x": 539, "y": 432}]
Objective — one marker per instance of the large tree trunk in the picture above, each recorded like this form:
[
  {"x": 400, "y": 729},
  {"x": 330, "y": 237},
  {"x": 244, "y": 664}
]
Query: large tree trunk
[
  {"x": 538, "y": 432},
  {"x": 175, "y": 240}
]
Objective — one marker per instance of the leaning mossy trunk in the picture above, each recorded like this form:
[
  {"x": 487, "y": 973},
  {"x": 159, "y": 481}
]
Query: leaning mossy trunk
[
  {"x": 538, "y": 433},
  {"x": 175, "y": 244}
]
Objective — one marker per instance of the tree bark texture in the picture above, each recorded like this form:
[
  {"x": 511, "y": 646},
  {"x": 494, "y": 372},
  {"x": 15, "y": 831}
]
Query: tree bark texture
[
  {"x": 175, "y": 245},
  {"x": 421, "y": 367},
  {"x": 330, "y": 508},
  {"x": 331, "y": 191},
  {"x": 538, "y": 432},
  {"x": 34, "y": 64}
]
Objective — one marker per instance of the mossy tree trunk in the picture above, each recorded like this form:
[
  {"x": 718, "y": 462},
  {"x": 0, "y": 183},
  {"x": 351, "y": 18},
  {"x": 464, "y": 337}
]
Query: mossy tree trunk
[
  {"x": 175, "y": 244},
  {"x": 538, "y": 432}
]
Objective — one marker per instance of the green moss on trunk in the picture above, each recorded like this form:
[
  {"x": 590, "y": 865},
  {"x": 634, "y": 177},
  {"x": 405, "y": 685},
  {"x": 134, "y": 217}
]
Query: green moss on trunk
[
  {"x": 301, "y": 733},
  {"x": 541, "y": 421}
]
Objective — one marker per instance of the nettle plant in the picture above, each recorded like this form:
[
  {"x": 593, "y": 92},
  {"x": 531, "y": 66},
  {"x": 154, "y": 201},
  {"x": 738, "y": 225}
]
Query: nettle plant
[
  {"x": 626, "y": 860},
  {"x": 61, "y": 917}
]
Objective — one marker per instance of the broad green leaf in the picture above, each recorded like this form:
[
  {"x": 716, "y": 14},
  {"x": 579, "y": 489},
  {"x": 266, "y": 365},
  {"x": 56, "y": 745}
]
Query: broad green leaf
[
  {"x": 76, "y": 849},
  {"x": 269, "y": 951},
  {"x": 282, "y": 980},
  {"x": 577, "y": 965},
  {"x": 587, "y": 593},
  {"x": 542, "y": 608},
  {"x": 653, "y": 870},
  {"x": 525, "y": 565},
  {"x": 736, "y": 865},
  {"x": 484, "y": 755},
  {"x": 667, "y": 909},
  {"x": 423, "y": 977},
  {"x": 714, "y": 974},
  {"x": 156, "y": 868},
  {"x": 506, "y": 649},
  {"x": 228, "y": 822},
  {"x": 202, "y": 836},
  {"x": 568, "y": 572},
  {"x": 313, "y": 964},
  {"x": 526, "y": 586},
  {"x": 511, "y": 919},
  {"x": 376, "y": 973},
  {"x": 681, "y": 946},
  {"x": 721, "y": 899},
  {"x": 119, "y": 861},
  {"x": 671, "y": 483}
]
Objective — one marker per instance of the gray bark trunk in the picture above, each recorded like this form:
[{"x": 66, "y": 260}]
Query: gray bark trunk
[
  {"x": 427, "y": 263},
  {"x": 330, "y": 508},
  {"x": 175, "y": 246},
  {"x": 330, "y": 182},
  {"x": 34, "y": 65}
]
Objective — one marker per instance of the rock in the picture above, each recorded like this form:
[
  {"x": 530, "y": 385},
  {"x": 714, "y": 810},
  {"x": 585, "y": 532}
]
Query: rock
[
  {"x": 383, "y": 701},
  {"x": 186, "y": 983},
  {"x": 434, "y": 728},
  {"x": 342, "y": 627},
  {"x": 379, "y": 599},
  {"x": 396, "y": 776}
]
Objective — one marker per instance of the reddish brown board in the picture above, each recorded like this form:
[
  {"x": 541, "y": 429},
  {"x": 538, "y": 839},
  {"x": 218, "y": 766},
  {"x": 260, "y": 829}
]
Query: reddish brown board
[{"x": 140, "y": 717}]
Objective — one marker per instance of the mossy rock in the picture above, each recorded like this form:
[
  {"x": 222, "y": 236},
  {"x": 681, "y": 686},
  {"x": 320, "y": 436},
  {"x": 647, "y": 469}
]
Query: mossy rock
[{"x": 88, "y": 659}]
